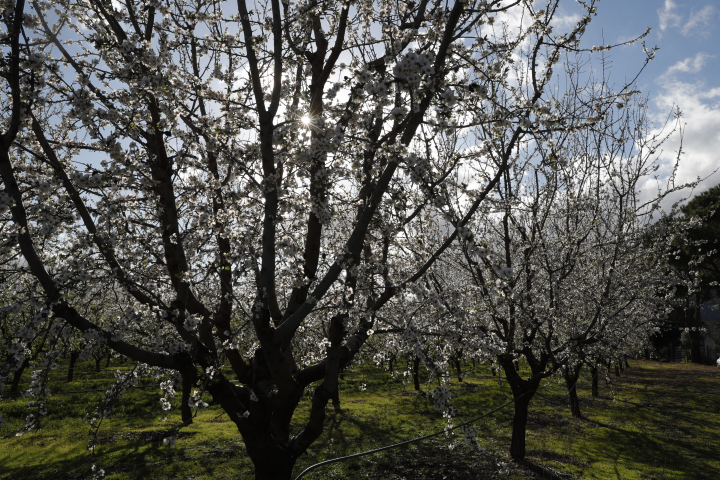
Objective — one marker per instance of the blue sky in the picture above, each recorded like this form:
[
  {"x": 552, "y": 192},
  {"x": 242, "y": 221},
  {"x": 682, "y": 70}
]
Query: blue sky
[{"x": 685, "y": 72}]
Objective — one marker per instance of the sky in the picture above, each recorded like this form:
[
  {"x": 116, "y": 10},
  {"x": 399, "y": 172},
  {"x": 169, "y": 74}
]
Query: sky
[{"x": 685, "y": 72}]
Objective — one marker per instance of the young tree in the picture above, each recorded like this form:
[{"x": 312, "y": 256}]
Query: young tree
[{"x": 251, "y": 180}]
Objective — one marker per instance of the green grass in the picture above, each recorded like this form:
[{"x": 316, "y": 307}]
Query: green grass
[{"x": 663, "y": 423}]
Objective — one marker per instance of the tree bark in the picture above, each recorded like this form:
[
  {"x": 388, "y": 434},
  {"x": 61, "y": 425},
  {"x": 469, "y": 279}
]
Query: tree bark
[
  {"x": 519, "y": 426},
  {"x": 571, "y": 379},
  {"x": 617, "y": 370},
  {"x": 107, "y": 363},
  {"x": 416, "y": 373},
  {"x": 71, "y": 368},
  {"x": 523, "y": 391},
  {"x": 594, "y": 373},
  {"x": 458, "y": 367},
  {"x": 97, "y": 363},
  {"x": 185, "y": 410},
  {"x": 336, "y": 400},
  {"x": 15, "y": 385},
  {"x": 272, "y": 463}
]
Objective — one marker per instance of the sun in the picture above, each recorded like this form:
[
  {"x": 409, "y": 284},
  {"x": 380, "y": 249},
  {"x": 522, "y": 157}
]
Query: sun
[{"x": 305, "y": 120}]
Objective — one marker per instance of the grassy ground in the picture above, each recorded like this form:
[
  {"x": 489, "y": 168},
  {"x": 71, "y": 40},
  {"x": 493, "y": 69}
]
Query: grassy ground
[{"x": 662, "y": 423}]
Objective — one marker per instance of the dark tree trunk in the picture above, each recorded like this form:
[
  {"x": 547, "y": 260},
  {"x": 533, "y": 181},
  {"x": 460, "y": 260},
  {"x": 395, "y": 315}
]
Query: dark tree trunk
[
  {"x": 336, "y": 400},
  {"x": 627, "y": 364},
  {"x": 97, "y": 363},
  {"x": 15, "y": 385},
  {"x": 594, "y": 373},
  {"x": 456, "y": 361},
  {"x": 416, "y": 373},
  {"x": 272, "y": 463},
  {"x": 620, "y": 363},
  {"x": 107, "y": 364},
  {"x": 185, "y": 409},
  {"x": 492, "y": 369},
  {"x": 517, "y": 366},
  {"x": 71, "y": 368},
  {"x": 523, "y": 391},
  {"x": 571, "y": 379},
  {"x": 517, "y": 443}
]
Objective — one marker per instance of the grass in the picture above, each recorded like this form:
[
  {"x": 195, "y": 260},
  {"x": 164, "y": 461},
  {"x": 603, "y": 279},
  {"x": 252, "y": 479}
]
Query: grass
[{"x": 663, "y": 422}]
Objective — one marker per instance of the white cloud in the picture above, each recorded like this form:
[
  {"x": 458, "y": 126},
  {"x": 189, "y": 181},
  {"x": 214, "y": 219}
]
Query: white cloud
[
  {"x": 696, "y": 24},
  {"x": 566, "y": 21},
  {"x": 700, "y": 139},
  {"x": 690, "y": 65},
  {"x": 667, "y": 17},
  {"x": 699, "y": 21}
]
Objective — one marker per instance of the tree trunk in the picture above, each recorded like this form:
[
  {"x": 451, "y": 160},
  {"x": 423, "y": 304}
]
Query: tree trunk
[
  {"x": 519, "y": 425},
  {"x": 15, "y": 385},
  {"x": 617, "y": 370},
  {"x": 523, "y": 391},
  {"x": 272, "y": 464},
  {"x": 186, "y": 412},
  {"x": 336, "y": 400},
  {"x": 97, "y": 363},
  {"x": 594, "y": 373},
  {"x": 71, "y": 368},
  {"x": 107, "y": 364},
  {"x": 571, "y": 379},
  {"x": 620, "y": 363},
  {"x": 416, "y": 373},
  {"x": 458, "y": 368}
]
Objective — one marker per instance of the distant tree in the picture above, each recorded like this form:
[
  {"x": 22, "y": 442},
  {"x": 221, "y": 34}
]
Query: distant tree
[{"x": 697, "y": 257}]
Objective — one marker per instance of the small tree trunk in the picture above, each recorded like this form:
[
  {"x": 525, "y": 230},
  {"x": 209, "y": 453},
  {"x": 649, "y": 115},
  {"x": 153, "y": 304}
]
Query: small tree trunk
[
  {"x": 492, "y": 369},
  {"x": 71, "y": 368},
  {"x": 517, "y": 366},
  {"x": 336, "y": 400},
  {"x": 458, "y": 368},
  {"x": 107, "y": 364},
  {"x": 622, "y": 368},
  {"x": 594, "y": 373},
  {"x": 416, "y": 373},
  {"x": 97, "y": 363},
  {"x": 571, "y": 380},
  {"x": 627, "y": 364},
  {"x": 617, "y": 370},
  {"x": 185, "y": 410},
  {"x": 519, "y": 426},
  {"x": 15, "y": 385}
]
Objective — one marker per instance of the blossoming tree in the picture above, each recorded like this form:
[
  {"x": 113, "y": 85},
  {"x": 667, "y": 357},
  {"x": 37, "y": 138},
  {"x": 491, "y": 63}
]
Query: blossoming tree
[
  {"x": 249, "y": 176},
  {"x": 567, "y": 266}
]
